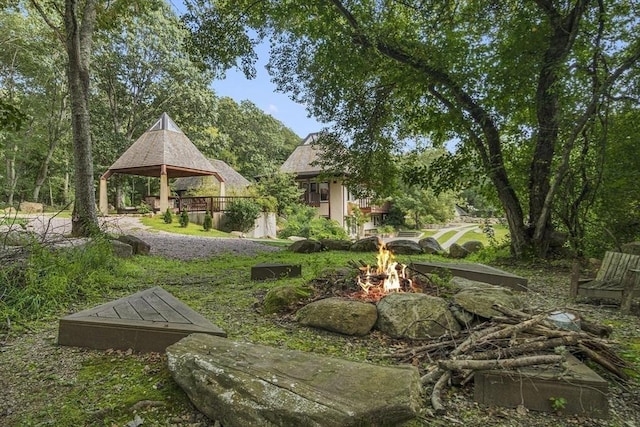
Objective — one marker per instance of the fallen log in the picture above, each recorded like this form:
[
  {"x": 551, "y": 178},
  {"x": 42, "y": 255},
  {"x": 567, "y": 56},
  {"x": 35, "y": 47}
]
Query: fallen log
[
  {"x": 483, "y": 365},
  {"x": 527, "y": 347},
  {"x": 598, "y": 356}
]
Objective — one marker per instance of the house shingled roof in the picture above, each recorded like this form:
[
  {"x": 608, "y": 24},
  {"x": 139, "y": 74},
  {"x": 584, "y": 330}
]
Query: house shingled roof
[
  {"x": 300, "y": 162},
  {"x": 231, "y": 178},
  {"x": 163, "y": 144}
]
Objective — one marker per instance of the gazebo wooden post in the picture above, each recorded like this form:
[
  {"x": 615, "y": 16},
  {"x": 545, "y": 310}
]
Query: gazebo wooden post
[
  {"x": 104, "y": 203},
  {"x": 164, "y": 189}
]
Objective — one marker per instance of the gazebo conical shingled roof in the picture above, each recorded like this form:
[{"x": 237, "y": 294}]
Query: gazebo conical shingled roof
[{"x": 163, "y": 151}]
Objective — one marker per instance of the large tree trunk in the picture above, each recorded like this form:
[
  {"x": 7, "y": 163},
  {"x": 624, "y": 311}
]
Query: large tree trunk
[
  {"x": 78, "y": 44},
  {"x": 563, "y": 33}
]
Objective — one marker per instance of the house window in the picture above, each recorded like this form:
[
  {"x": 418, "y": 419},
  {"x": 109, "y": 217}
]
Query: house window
[
  {"x": 324, "y": 191},
  {"x": 377, "y": 220}
]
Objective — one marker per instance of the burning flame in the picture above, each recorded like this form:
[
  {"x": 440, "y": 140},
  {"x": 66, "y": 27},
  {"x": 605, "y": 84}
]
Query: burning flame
[{"x": 387, "y": 276}]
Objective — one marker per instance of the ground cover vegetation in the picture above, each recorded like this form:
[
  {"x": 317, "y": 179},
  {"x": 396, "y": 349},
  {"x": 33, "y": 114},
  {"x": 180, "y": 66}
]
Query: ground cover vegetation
[{"x": 94, "y": 388}]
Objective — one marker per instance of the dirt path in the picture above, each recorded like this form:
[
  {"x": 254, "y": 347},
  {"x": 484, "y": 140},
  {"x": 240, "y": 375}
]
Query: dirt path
[{"x": 169, "y": 245}]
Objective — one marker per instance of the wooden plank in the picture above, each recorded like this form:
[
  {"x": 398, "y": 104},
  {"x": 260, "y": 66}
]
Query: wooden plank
[
  {"x": 194, "y": 317},
  {"x": 145, "y": 311},
  {"x": 610, "y": 277},
  {"x": 620, "y": 268},
  {"x": 126, "y": 311},
  {"x": 606, "y": 261},
  {"x": 473, "y": 271},
  {"x": 584, "y": 390},
  {"x": 629, "y": 284},
  {"x": 108, "y": 313},
  {"x": 88, "y": 329},
  {"x": 168, "y": 312}
]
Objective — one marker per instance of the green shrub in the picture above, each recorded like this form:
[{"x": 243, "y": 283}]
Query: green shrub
[
  {"x": 168, "y": 216},
  {"x": 302, "y": 221},
  {"x": 184, "y": 218},
  {"x": 48, "y": 281},
  {"x": 207, "y": 224},
  {"x": 241, "y": 215},
  {"x": 143, "y": 208}
]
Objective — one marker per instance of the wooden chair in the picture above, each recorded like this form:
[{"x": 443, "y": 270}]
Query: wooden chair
[{"x": 617, "y": 279}]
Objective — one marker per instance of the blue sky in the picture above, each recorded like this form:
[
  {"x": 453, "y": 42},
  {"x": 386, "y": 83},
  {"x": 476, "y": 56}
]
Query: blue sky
[{"x": 263, "y": 94}]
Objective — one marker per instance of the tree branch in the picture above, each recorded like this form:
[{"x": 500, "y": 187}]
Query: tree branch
[{"x": 57, "y": 31}]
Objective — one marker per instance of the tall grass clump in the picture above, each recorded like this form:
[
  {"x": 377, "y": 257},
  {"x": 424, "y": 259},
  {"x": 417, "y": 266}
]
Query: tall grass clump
[{"x": 49, "y": 281}]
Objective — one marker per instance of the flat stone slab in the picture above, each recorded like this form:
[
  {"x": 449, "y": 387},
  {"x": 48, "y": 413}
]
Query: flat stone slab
[
  {"x": 242, "y": 384},
  {"x": 584, "y": 392},
  {"x": 473, "y": 271},
  {"x": 275, "y": 271},
  {"x": 147, "y": 321}
]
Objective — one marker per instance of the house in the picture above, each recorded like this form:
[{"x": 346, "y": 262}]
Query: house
[
  {"x": 227, "y": 181},
  {"x": 327, "y": 193}
]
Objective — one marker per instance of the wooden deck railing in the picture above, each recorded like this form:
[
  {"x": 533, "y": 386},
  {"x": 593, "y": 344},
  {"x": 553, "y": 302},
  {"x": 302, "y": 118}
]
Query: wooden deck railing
[
  {"x": 367, "y": 206},
  {"x": 195, "y": 203},
  {"x": 207, "y": 203}
]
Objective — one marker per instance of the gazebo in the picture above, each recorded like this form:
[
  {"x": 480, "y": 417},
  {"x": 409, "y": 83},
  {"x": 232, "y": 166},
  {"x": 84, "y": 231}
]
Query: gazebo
[{"x": 163, "y": 151}]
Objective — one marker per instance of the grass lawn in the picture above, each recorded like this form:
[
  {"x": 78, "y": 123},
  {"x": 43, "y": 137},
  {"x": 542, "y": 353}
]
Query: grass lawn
[{"x": 157, "y": 223}]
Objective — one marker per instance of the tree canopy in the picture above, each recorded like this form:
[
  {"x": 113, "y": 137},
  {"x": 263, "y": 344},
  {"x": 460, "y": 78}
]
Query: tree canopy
[
  {"x": 139, "y": 68},
  {"x": 522, "y": 87}
]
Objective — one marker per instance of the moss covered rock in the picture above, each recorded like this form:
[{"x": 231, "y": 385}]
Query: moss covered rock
[{"x": 280, "y": 299}]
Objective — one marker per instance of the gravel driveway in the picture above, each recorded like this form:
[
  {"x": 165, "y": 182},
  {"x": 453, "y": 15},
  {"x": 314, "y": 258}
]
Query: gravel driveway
[{"x": 170, "y": 245}]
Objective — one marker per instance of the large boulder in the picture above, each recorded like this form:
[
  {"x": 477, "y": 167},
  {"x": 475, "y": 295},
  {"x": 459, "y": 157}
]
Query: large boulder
[
  {"x": 241, "y": 384},
  {"x": 430, "y": 245},
  {"x": 457, "y": 251},
  {"x": 415, "y": 316},
  {"x": 404, "y": 247},
  {"x": 306, "y": 246},
  {"x": 282, "y": 298},
  {"x": 479, "y": 298},
  {"x": 344, "y": 316},
  {"x": 368, "y": 244},
  {"x": 473, "y": 246},
  {"x": 139, "y": 246},
  {"x": 121, "y": 249}
]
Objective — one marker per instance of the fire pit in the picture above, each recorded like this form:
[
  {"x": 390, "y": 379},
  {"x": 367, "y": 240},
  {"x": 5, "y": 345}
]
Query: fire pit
[{"x": 385, "y": 277}]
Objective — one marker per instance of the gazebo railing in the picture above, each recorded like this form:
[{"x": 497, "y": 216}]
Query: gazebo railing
[{"x": 204, "y": 203}]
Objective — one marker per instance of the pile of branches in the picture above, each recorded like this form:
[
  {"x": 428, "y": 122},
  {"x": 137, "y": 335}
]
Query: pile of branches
[{"x": 513, "y": 340}]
